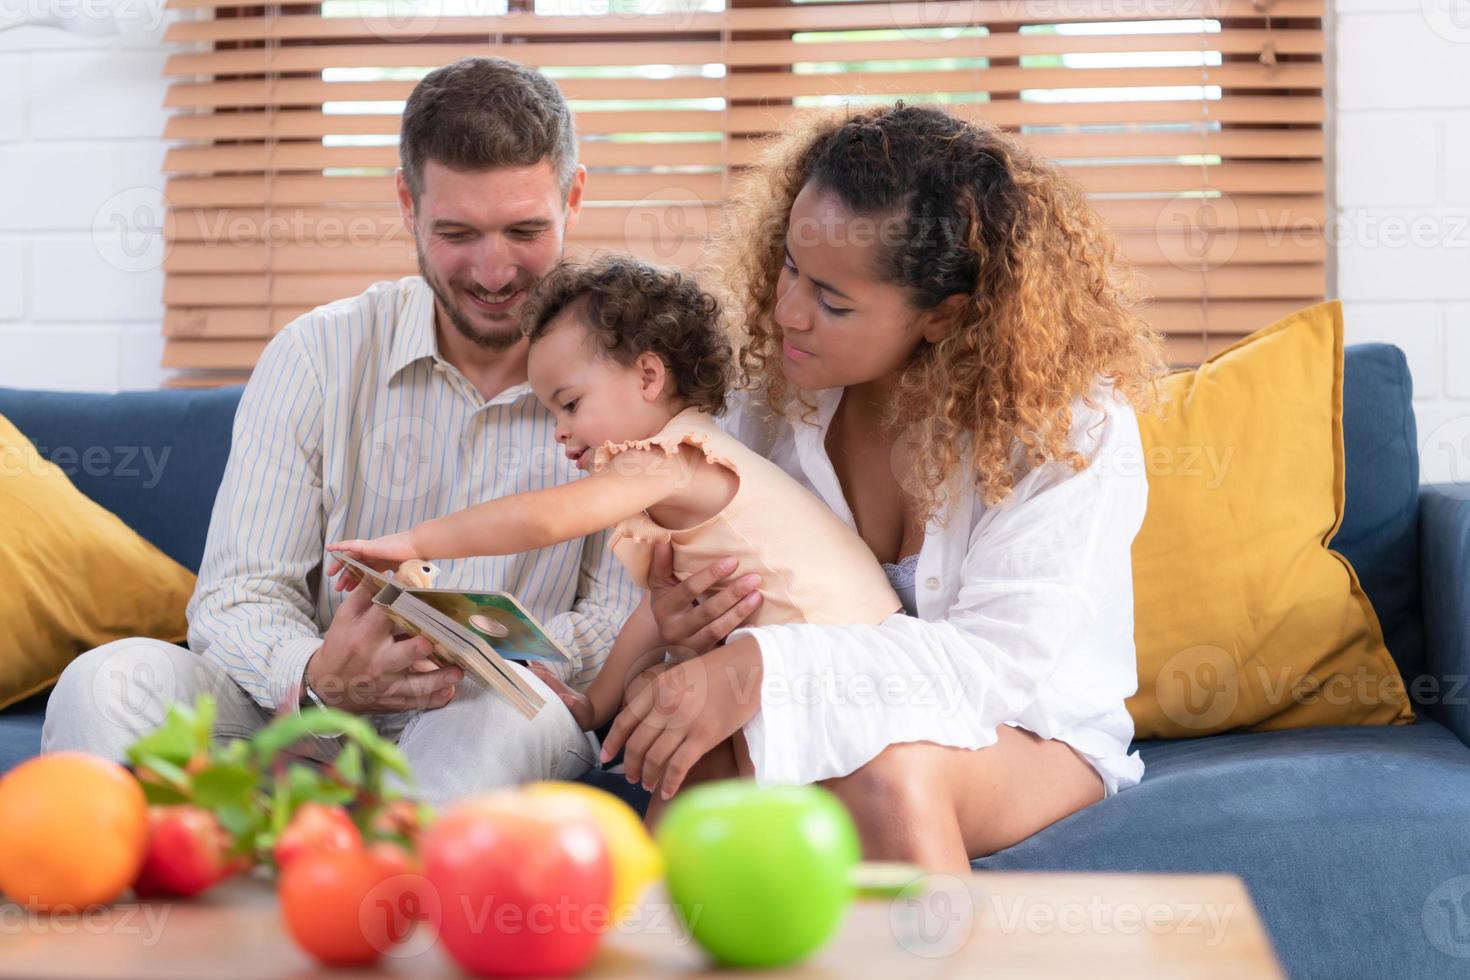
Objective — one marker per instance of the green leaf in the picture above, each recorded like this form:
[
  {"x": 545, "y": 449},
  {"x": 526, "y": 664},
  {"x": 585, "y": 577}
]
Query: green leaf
[
  {"x": 302, "y": 780},
  {"x": 203, "y": 720},
  {"x": 349, "y": 764},
  {"x": 243, "y": 822},
  {"x": 225, "y": 784},
  {"x": 171, "y": 774},
  {"x": 309, "y": 784},
  {"x": 159, "y": 795},
  {"x": 388, "y": 754},
  {"x": 334, "y": 794},
  {"x": 236, "y": 751},
  {"x": 173, "y": 741},
  {"x": 321, "y": 722},
  {"x": 246, "y": 824},
  {"x": 280, "y": 806}
]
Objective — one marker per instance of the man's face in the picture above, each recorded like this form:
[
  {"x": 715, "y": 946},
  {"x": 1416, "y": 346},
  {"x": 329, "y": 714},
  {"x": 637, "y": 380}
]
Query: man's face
[{"x": 484, "y": 238}]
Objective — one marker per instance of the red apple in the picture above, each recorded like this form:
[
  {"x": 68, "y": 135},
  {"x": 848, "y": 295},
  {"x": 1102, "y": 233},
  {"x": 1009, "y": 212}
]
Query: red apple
[
  {"x": 188, "y": 852},
  {"x": 522, "y": 885}
]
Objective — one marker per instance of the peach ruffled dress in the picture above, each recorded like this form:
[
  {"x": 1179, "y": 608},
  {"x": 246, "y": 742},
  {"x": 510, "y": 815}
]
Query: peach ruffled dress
[{"x": 814, "y": 568}]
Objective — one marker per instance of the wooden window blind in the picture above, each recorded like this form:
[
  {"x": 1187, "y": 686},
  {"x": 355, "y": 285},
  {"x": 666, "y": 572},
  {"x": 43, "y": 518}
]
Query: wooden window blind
[{"x": 1196, "y": 125}]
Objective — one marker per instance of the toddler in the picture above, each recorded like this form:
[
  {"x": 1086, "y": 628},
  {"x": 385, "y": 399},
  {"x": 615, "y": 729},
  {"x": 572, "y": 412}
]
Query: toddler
[{"x": 633, "y": 363}]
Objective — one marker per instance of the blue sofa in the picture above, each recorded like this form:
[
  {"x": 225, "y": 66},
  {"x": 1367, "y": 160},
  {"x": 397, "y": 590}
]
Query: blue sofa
[{"x": 1350, "y": 840}]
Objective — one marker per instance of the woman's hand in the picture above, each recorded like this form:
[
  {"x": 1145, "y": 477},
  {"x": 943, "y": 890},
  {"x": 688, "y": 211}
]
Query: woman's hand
[
  {"x": 381, "y": 554},
  {"x": 684, "y": 712},
  {"x": 698, "y": 627}
]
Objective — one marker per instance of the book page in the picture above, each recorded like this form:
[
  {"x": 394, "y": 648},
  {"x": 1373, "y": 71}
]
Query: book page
[
  {"x": 466, "y": 647},
  {"x": 496, "y": 618}
]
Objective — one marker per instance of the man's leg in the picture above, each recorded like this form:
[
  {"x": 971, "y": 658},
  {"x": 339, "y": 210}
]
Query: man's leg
[
  {"x": 109, "y": 697},
  {"x": 478, "y": 742}
]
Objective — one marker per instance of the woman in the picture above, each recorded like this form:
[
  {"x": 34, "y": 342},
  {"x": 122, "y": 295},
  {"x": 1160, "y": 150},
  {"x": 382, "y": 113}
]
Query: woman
[{"x": 940, "y": 345}]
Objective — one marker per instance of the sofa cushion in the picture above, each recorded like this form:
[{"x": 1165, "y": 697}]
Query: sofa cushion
[
  {"x": 153, "y": 458},
  {"x": 1244, "y": 617},
  {"x": 76, "y": 576},
  {"x": 1339, "y": 833},
  {"x": 1380, "y": 516}
]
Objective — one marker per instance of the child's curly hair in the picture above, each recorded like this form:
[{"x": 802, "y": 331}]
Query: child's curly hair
[
  {"x": 632, "y": 308},
  {"x": 1048, "y": 309}
]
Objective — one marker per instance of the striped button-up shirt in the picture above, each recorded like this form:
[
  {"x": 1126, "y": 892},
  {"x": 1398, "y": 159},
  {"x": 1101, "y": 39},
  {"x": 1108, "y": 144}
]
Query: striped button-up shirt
[{"x": 353, "y": 425}]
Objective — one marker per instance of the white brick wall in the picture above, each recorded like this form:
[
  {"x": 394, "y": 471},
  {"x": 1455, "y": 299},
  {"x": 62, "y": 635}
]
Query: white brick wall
[
  {"x": 1402, "y": 235},
  {"x": 81, "y": 121}
]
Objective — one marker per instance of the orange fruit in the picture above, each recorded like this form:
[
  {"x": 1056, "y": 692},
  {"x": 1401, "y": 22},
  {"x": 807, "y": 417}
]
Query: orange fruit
[{"x": 75, "y": 830}]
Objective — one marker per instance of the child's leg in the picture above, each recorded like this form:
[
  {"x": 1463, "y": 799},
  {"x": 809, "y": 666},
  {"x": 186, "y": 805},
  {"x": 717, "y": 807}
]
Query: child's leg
[{"x": 719, "y": 762}]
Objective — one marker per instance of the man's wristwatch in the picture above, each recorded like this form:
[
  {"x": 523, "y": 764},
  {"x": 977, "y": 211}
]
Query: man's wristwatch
[{"x": 308, "y": 696}]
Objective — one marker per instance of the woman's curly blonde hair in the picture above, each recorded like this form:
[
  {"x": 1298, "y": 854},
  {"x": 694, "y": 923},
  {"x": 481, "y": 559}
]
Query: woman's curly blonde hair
[{"x": 1050, "y": 309}]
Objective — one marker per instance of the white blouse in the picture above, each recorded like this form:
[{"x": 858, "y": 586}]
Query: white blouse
[{"x": 1025, "y": 615}]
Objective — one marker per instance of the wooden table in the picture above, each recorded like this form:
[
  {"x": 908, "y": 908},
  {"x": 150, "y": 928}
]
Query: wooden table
[{"x": 990, "y": 924}]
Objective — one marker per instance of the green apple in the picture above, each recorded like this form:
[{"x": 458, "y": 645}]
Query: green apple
[{"x": 760, "y": 876}]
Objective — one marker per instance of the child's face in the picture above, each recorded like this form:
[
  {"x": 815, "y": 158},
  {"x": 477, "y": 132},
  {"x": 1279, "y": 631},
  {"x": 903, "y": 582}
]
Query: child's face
[{"x": 593, "y": 398}]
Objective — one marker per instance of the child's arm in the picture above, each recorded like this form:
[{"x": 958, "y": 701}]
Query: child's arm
[
  {"x": 635, "y": 481},
  {"x": 638, "y": 646}
]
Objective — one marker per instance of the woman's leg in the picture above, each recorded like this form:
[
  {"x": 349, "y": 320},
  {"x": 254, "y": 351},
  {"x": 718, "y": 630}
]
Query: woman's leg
[{"x": 938, "y": 807}]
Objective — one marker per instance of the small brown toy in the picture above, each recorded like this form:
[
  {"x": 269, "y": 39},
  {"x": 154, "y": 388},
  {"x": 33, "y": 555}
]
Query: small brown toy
[
  {"x": 419, "y": 574},
  {"x": 415, "y": 574}
]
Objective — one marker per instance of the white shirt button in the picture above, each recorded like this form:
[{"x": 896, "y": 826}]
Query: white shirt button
[{"x": 932, "y": 584}]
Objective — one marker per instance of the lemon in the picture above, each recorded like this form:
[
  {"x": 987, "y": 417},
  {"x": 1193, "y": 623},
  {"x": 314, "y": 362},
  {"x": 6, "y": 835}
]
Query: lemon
[{"x": 636, "y": 860}]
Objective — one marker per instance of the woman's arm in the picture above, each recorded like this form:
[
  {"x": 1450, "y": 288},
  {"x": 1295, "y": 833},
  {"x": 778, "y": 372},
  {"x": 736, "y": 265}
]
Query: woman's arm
[{"x": 537, "y": 519}]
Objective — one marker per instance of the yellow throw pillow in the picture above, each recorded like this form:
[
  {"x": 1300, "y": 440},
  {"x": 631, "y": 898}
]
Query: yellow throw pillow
[
  {"x": 1244, "y": 618},
  {"x": 76, "y": 576}
]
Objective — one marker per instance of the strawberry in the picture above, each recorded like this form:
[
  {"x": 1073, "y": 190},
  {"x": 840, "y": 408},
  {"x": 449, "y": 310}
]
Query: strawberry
[
  {"x": 316, "y": 827},
  {"x": 187, "y": 853},
  {"x": 399, "y": 818}
]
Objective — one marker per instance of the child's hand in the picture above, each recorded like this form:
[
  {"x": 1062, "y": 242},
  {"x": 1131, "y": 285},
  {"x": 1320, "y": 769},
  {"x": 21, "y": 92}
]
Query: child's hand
[
  {"x": 577, "y": 703},
  {"x": 382, "y": 554}
]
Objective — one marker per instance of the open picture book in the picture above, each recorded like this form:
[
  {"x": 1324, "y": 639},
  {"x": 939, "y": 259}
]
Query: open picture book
[{"x": 478, "y": 632}]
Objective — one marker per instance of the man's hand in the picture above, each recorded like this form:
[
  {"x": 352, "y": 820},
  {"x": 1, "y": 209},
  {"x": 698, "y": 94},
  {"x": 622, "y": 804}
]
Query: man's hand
[
  {"x": 703, "y": 626},
  {"x": 363, "y": 668}
]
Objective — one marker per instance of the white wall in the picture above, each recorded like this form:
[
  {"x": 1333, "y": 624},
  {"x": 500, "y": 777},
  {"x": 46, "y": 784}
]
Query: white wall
[
  {"x": 1403, "y": 203},
  {"x": 80, "y": 152},
  {"x": 81, "y": 125}
]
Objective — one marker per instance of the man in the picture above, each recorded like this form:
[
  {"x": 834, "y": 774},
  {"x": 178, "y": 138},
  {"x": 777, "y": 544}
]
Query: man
[{"x": 364, "y": 417}]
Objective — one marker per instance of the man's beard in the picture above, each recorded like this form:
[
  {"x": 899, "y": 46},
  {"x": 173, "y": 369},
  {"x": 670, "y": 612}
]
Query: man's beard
[{"x": 491, "y": 340}]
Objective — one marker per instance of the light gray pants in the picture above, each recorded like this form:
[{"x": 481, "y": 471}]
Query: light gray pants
[{"x": 110, "y": 696}]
